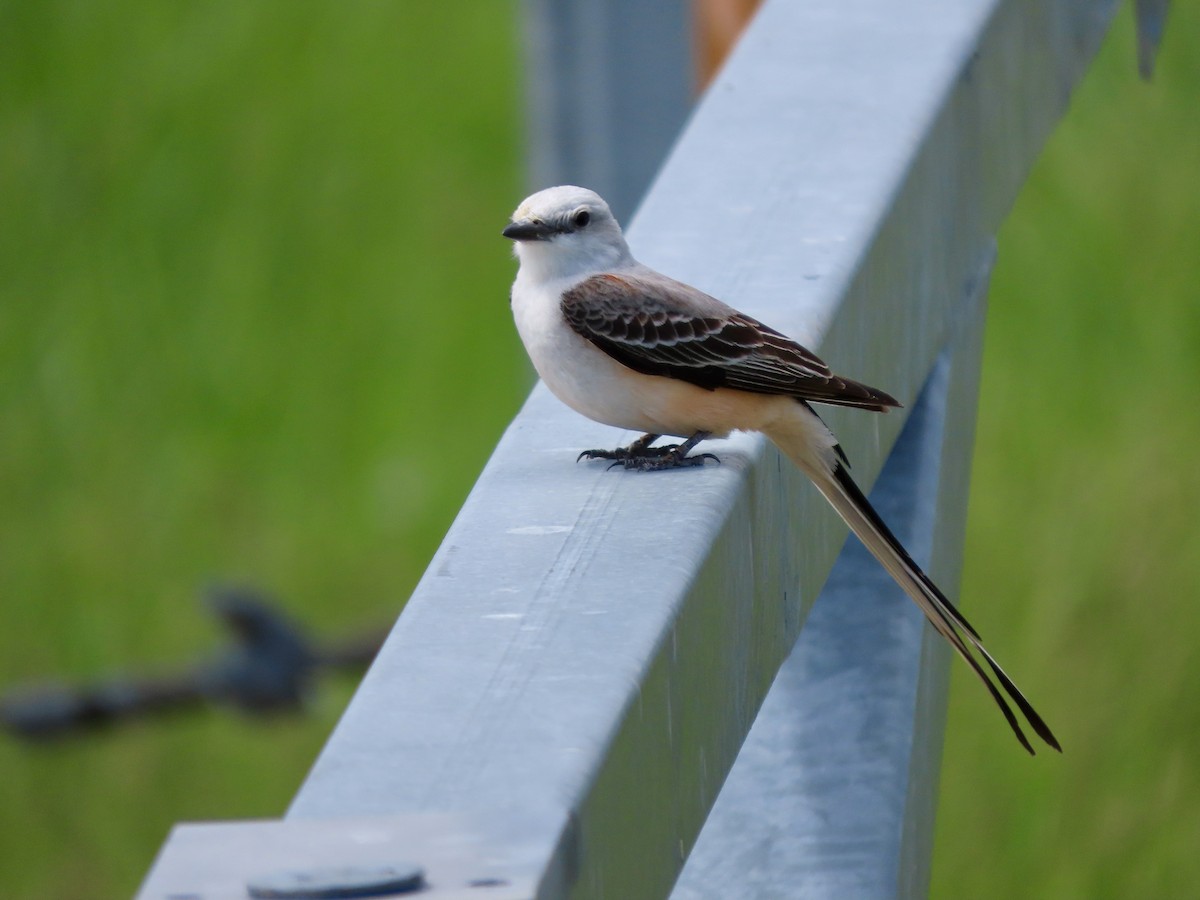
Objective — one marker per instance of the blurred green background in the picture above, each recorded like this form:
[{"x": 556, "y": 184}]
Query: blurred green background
[{"x": 235, "y": 238}]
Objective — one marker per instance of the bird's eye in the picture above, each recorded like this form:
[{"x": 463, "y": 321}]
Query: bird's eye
[{"x": 582, "y": 218}]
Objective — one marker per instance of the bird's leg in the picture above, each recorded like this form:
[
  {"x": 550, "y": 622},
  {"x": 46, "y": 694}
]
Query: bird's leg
[{"x": 641, "y": 456}]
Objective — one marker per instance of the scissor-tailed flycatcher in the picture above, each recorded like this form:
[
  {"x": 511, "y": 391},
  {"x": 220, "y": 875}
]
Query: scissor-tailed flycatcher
[{"x": 630, "y": 347}]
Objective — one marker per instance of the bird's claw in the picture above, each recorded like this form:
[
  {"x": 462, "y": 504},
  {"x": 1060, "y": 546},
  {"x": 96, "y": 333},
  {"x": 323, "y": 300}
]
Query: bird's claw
[
  {"x": 649, "y": 459},
  {"x": 619, "y": 453}
]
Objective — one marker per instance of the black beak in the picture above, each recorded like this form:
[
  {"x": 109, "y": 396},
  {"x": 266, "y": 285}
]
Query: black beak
[{"x": 528, "y": 230}]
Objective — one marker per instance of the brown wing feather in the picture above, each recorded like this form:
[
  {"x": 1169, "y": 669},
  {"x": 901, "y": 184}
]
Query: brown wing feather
[{"x": 639, "y": 320}]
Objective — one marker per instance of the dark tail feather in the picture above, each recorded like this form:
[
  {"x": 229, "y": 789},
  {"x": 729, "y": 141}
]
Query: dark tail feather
[{"x": 853, "y": 506}]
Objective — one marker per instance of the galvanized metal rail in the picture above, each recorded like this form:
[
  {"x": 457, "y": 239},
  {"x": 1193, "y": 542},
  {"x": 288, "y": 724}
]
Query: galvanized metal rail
[{"x": 567, "y": 690}]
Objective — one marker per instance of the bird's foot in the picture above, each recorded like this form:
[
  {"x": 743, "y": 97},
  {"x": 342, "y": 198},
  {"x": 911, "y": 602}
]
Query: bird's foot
[
  {"x": 670, "y": 457},
  {"x": 641, "y": 457}
]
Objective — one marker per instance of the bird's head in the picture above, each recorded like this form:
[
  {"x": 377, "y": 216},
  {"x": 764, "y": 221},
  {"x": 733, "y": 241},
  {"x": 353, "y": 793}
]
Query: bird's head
[{"x": 567, "y": 231}]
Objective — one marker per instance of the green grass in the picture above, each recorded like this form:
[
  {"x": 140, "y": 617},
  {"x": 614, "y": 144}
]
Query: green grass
[
  {"x": 245, "y": 250},
  {"x": 240, "y": 246}
]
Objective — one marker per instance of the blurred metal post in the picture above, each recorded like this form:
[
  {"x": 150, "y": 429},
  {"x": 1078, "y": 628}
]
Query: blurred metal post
[
  {"x": 608, "y": 85},
  {"x": 567, "y": 690}
]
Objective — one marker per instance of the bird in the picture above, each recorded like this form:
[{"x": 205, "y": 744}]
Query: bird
[{"x": 630, "y": 347}]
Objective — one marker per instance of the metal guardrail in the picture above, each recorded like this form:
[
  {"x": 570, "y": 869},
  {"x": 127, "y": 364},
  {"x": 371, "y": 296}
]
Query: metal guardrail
[{"x": 568, "y": 689}]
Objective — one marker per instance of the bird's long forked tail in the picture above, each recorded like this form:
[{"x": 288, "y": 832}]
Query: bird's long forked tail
[{"x": 852, "y": 505}]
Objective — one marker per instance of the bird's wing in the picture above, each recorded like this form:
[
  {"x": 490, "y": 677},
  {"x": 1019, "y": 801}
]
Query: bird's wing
[{"x": 658, "y": 326}]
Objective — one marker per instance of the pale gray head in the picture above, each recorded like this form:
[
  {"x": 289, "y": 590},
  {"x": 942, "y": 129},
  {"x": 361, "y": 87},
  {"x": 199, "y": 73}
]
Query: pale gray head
[{"x": 567, "y": 231}]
